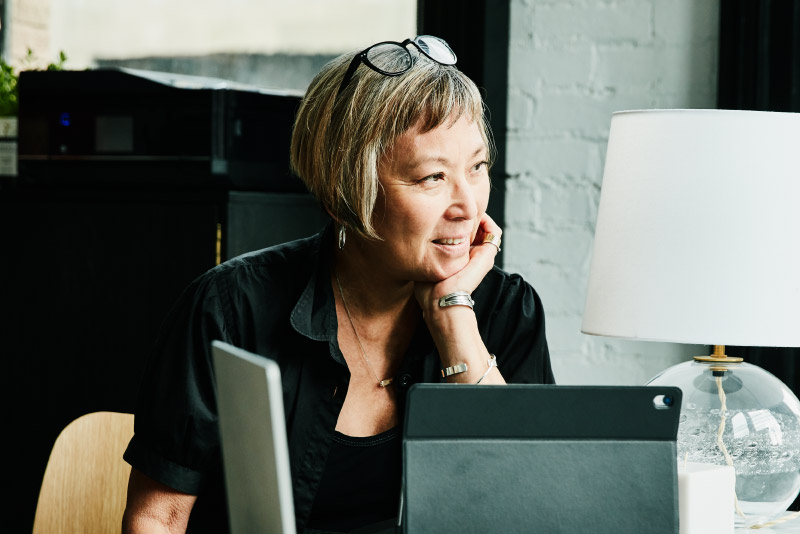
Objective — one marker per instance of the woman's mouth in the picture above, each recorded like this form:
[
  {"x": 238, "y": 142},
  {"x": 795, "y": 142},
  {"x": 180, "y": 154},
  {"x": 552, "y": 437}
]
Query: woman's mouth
[
  {"x": 449, "y": 241},
  {"x": 454, "y": 246}
]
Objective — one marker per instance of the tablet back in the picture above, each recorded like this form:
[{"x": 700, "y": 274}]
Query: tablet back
[
  {"x": 255, "y": 452},
  {"x": 531, "y": 458}
]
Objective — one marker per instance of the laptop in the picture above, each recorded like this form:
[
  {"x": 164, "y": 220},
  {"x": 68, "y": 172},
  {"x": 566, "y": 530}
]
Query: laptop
[
  {"x": 540, "y": 458},
  {"x": 255, "y": 452}
]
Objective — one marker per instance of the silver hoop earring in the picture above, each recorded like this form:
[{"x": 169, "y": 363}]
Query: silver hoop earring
[{"x": 342, "y": 237}]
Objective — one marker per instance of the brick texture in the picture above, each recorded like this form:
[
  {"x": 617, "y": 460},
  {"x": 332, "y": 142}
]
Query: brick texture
[{"x": 572, "y": 64}]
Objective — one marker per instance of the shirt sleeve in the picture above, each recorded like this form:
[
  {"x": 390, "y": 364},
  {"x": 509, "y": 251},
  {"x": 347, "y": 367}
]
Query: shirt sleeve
[
  {"x": 176, "y": 438},
  {"x": 511, "y": 320}
]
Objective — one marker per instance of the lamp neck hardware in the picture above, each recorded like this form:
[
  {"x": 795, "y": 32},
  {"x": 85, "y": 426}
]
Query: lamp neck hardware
[{"x": 718, "y": 356}]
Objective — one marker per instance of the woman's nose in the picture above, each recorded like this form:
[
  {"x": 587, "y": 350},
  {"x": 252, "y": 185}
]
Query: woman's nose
[{"x": 463, "y": 199}]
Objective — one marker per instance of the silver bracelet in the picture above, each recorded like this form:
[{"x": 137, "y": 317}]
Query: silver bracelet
[
  {"x": 454, "y": 370},
  {"x": 492, "y": 363},
  {"x": 457, "y": 298}
]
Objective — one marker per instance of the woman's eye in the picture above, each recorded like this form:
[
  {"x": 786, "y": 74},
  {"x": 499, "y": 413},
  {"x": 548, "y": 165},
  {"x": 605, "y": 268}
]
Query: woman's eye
[
  {"x": 433, "y": 177},
  {"x": 480, "y": 166}
]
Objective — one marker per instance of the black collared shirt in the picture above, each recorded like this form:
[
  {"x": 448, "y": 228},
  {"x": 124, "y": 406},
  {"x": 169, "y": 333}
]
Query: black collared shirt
[{"x": 278, "y": 302}]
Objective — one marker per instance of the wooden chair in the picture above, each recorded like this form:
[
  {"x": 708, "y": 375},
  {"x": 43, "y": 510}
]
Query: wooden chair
[{"x": 85, "y": 484}]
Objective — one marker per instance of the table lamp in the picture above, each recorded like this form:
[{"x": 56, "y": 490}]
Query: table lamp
[{"x": 698, "y": 241}]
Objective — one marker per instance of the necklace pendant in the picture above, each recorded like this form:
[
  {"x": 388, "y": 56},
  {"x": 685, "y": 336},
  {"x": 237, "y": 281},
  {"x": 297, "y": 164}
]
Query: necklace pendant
[{"x": 385, "y": 382}]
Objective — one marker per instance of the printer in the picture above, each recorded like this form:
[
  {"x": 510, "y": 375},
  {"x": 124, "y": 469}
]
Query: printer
[{"x": 118, "y": 127}]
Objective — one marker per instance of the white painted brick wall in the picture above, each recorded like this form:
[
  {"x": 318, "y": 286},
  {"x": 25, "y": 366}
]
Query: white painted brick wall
[{"x": 572, "y": 64}]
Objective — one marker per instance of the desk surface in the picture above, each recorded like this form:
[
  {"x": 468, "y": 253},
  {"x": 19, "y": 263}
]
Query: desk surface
[{"x": 790, "y": 527}]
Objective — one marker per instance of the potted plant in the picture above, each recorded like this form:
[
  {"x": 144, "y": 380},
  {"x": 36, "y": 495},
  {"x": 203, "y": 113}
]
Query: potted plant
[{"x": 9, "y": 106}]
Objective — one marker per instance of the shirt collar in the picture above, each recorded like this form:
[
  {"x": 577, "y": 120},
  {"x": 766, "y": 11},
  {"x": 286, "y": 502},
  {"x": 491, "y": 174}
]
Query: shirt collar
[{"x": 314, "y": 315}]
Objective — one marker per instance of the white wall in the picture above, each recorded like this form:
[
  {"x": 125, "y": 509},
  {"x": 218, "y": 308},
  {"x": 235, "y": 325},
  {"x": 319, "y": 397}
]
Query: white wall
[
  {"x": 27, "y": 27},
  {"x": 90, "y": 29},
  {"x": 572, "y": 64}
]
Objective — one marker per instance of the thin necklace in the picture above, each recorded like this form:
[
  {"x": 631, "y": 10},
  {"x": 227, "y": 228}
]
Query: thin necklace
[{"x": 382, "y": 383}]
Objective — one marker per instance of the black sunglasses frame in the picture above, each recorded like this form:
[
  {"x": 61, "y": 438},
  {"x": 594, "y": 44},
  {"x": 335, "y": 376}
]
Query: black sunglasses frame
[{"x": 361, "y": 57}]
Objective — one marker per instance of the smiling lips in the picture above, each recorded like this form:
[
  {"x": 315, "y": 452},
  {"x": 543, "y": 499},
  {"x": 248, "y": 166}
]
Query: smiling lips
[
  {"x": 449, "y": 241},
  {"x": 453, "y": 246}
]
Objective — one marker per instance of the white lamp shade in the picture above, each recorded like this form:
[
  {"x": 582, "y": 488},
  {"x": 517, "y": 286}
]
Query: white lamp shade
[{"x": 698, "y": 230}]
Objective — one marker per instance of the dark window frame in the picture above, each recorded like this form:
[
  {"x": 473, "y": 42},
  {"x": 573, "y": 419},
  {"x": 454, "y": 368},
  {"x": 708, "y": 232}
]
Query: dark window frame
[{"x": 478, "y": 32}]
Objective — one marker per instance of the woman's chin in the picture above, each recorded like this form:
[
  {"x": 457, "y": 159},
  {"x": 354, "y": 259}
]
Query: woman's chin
[{"x": 443, "y": 272}]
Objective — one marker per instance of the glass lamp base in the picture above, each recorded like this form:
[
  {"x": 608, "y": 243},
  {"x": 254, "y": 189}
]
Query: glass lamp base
[{"x": 739, "y": 414}]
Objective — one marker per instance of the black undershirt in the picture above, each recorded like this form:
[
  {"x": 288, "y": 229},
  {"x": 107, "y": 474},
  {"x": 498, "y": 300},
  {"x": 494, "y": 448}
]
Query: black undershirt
[{"x": 361, "y": 482}]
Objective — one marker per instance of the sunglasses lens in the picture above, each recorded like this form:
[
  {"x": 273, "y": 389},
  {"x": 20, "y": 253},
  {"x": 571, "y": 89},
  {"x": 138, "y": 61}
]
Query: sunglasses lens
[
  {"x": 390, "y": 58},
  {"x": 436, "y": 49}
]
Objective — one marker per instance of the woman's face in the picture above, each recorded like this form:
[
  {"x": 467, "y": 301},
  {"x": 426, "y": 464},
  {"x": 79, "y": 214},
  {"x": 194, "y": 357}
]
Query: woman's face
[{"x": 435, "y": 191}]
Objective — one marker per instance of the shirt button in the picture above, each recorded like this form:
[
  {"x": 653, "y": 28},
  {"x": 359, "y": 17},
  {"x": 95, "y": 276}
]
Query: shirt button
[{"x": 405, "y": 381}]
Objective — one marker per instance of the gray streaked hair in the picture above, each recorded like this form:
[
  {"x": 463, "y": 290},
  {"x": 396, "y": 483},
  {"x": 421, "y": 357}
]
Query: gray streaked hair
[{"x": 338, "y": 143}]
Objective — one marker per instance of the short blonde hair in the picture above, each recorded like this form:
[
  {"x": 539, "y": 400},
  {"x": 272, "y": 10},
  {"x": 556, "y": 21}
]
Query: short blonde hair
[{"x": 338, "y": 143}]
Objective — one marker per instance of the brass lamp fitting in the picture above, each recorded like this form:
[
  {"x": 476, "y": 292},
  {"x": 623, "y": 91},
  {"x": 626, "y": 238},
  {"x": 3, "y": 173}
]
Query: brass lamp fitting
[{"x": 718, "y": 356}]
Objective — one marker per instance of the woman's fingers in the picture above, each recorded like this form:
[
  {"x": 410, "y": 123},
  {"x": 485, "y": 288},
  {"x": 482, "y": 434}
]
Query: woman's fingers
[
  {"x": 486, "y": 227},
  {"x": 485, "y": 248},
  {"x": 481, "y": 261},
  {"x": 482, "y": 254},
  {"x": 481, "y": 258}
]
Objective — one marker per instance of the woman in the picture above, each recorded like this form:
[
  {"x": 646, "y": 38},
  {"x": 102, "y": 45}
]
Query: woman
[{"x": 400, "y": 289}]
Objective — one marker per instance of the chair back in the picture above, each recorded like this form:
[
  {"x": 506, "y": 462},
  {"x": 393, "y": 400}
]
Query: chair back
[{"x": 85, "y": 484}]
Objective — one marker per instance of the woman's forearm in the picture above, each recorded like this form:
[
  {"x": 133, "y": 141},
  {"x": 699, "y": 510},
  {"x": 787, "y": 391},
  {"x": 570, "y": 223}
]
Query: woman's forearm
[
  {"x": 145, "y": 525},
  {"x": 455, "y": 332},
  {"x": 153, "y": 507}
]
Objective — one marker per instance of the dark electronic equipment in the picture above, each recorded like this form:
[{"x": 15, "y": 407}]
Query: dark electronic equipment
[{"x": 124, "y": 127}]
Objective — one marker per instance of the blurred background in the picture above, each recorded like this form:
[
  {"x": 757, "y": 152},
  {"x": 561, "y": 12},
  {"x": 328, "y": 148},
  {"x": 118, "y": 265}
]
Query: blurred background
[{"x": 265, "y": 43}]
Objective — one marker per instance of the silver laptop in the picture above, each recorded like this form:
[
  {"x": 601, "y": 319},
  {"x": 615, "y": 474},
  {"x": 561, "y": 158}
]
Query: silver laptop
[{"x": 255, "y": 452}]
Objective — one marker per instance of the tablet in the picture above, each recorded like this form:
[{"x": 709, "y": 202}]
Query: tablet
[{"x": 540, "y": 458}]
